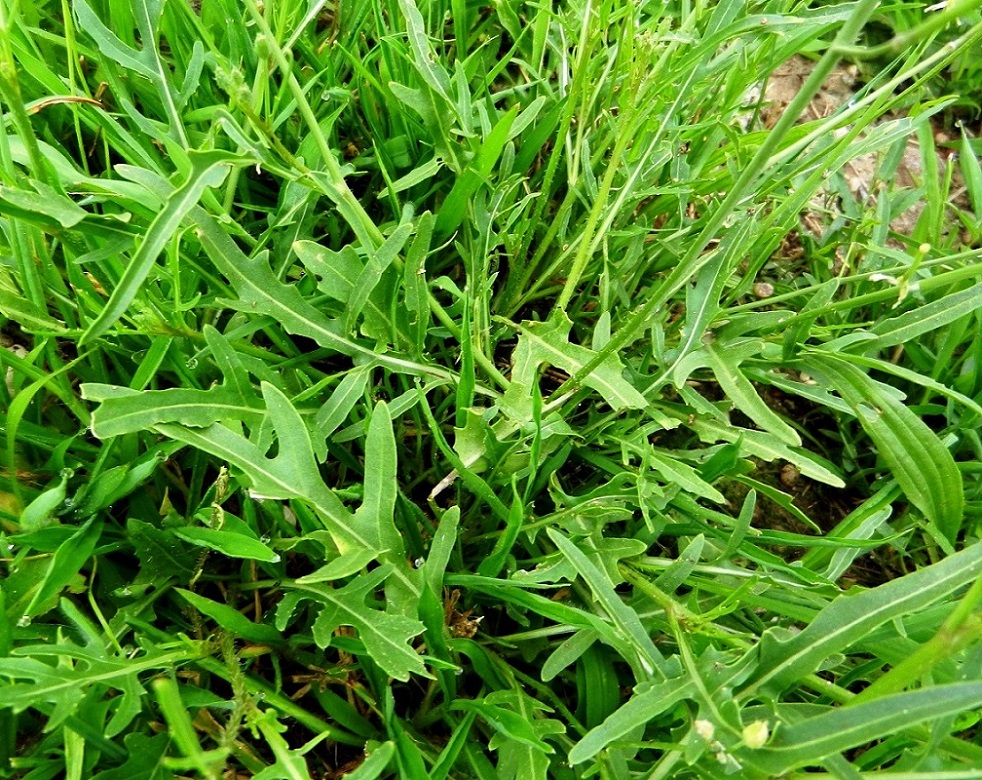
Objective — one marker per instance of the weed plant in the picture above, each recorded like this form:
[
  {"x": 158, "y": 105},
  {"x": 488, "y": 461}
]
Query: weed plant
[{"x": 440, "y": 390}]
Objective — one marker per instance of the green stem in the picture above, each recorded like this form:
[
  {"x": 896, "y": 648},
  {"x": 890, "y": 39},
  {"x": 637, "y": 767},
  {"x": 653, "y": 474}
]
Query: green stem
[
  {"x": 696, "y": 259},
  {"x": 11, "y": 95},
  {"x": 952, "y": 12},
  {"x": 349, "y": 206},
  {"x": 961, "y": 627},
  {"x": 579, "y": 77}
]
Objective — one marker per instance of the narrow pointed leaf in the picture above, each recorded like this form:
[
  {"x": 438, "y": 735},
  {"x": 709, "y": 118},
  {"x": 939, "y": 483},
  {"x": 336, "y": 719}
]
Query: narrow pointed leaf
[
  {"x": 921, "y": 464},
  {"x": 209, "y": 170},
  {"x": 231, "y": 619},
  {"x": 230, "y": 543},
  {"x": 625, "y": 619},
  {"x": 847, "y": 620},
  {"x": 807, "y": 742},
  {"x": 44, "y": 207},
  {"x": 936, "y": 314},
  {"x": 724, "y": 360},
  {"x": 141, "y": 411},
  {"x": 65, "y": 566},
  {"x": 17, "y": 308},
  {"x": 375, "y": 516},
  {"x": 649, "y": 701}
]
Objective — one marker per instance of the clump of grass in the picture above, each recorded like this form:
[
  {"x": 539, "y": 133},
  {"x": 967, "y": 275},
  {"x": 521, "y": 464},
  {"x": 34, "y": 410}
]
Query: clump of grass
[{"x": 427, "y": 390}]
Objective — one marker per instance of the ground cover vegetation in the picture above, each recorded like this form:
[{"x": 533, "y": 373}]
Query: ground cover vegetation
[{"x": 437, "y": 389}]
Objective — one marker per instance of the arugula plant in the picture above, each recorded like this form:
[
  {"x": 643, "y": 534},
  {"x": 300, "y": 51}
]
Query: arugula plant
[{"x": 428, "y": 390}]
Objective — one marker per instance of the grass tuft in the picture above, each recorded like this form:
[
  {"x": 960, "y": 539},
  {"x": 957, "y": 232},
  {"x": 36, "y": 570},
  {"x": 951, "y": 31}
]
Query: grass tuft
[{"x": 424, "y": 389}]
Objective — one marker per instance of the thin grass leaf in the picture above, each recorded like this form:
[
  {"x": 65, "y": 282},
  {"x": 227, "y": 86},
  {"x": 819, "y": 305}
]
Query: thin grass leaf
[
  {"x": 65, "y": 566},
  {"x": 649, "y": 701},
  {"x": 454, "y": 747},
  {"x": 914, "y": 377},
  {"x": 454, "y": 207},
  {"x": 492, "y": 565},
  {"x": 45, "y": 206},
  {"x": 441, "y": 549},
  {"x": 42, "y": 509},
  {"x": 972, "y": 172},
  {"x": 931, "y": 316},
  {"x": 375, "y": 763},
  {"x": 624, "y": 618},
  {"x": 340, "y": 568},
  {"x": 567, "y": 653},
  {"x": 209, "y": 169},
  {"x": 849, "y": 618},
  {"x": 414, "y": 284},
  {"x": 182, "y": 731},
  {"x": 808, "y": 741},
  {"x": 17, "y": 308},
  {"x": 231, "y": 620},
  {"x": 418, "y": 175},
  {"x": 234, "y": 373},
  {"x": 724, "y": 360},
  {"x": 378, "y": 262}
]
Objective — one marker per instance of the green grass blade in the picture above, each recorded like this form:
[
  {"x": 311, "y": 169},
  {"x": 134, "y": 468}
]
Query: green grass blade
[
  {"x": 924, "y": 319},
  {"x": 849, "y": 618},
  {"x": 624, "y": 618},
  {"x": 807, "y": 742},
  {"x": 209, "y": 169},
  {"x": 649, "y": 701}
]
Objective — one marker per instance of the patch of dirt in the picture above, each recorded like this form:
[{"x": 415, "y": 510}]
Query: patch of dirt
[
  {"x": 824, "y": 505},
  {"x": 860, "y": 173},
  {"x": 786, "y": 82}
]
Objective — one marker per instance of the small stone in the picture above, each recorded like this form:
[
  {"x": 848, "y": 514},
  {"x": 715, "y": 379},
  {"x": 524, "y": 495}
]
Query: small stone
[{"x": 790, "y": 475}]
